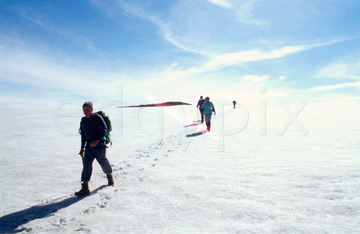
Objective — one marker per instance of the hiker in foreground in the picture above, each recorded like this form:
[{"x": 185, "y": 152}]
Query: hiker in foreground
[
  {"x": 93, "y": 129},
  {"x": 208, "y": 108},
  {"x": 200, "y": 102}
]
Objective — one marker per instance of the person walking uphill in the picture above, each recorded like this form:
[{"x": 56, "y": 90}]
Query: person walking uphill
[
  {"x": 200, "y": 102},
  {"x": 208, "y": 109},
  {"x": 92, "y": 130}
]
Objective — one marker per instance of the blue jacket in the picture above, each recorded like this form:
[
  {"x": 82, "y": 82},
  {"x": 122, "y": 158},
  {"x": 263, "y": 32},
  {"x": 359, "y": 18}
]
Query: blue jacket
[
  {"x": 208, "y": 108},
  {"x": 93, "y": 128}
]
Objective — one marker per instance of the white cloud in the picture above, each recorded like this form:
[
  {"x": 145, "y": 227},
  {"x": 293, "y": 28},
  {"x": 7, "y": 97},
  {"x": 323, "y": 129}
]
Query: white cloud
[
  {"x": 176, "y": 75},
  {"x": 54, "y": 75},
  {"x": 134, "y": 10},
  {"x": 191, "y": 79},
  {"x": 237, "y": 58},
  {"x": 281, "y": 78},
  {"x": 222, "y": 3},
  {"x": 53, "y": 72},
  {"x": 49, "y": 72},
  {"x": 244, "y": 13},
  {"x": 255, "y": 55},
  {"x": 340, "y": 70},
  {"x": 167, "y": 34},
  {"x": 174, "y": 64},
  {"x": 255, "y": 78},
  {"x": 189, "y": 31},
  {"x": 38, "y": 22},
  {"x": 337, "y": 86}
]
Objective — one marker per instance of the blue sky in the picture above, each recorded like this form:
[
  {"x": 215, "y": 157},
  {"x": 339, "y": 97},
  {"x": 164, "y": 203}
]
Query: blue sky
[{"x": 52, "y": 51}]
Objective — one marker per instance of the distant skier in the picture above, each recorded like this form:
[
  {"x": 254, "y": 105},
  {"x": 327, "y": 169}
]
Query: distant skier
[
  {"x": 92, "y": 130},
  {"x": 208, "y": 109},
  {"x": 200, "y": 102},
  {"x": 234, "y": 103}
]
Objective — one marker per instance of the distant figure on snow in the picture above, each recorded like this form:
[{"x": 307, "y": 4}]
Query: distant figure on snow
[
  {"x": 208, "y": 109},
  {"x": 234, "y": 103},
  {"x": 92, "y": 130},
  {"x": 200, "y": 102}
]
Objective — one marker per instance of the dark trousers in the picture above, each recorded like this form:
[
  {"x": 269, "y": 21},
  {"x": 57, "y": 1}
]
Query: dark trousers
[
  {"x": 208, "y": 125},
  {"x": 207, "y": 120},
  {"x": 99, "y": 153},
  {"x": 202, "y": 115}
]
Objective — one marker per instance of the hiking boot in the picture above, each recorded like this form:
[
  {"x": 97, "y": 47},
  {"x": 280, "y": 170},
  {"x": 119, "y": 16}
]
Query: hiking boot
[
  {"x": 110, "y": 179},
  {"x": 84, "y": 190}
]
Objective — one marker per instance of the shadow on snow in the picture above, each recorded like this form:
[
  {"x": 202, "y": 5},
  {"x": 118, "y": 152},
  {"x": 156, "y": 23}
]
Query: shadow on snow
[
  {"x": 10, "y": 222},
  {"x": 197, "y": 134},
  {"x": 191, "y": 125}
]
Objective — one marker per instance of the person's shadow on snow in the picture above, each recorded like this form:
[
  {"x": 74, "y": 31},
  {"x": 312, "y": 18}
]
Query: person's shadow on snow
[
  {"x": 10, "y": 222},
  {"x": 197, "y": 134}
]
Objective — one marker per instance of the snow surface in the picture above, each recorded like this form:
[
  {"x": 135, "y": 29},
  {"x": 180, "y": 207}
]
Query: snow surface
[{"x": 166, "y": 182}]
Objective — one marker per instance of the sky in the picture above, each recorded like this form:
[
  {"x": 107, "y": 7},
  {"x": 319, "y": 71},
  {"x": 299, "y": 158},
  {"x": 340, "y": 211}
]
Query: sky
[{"x": 139, "y": 52}]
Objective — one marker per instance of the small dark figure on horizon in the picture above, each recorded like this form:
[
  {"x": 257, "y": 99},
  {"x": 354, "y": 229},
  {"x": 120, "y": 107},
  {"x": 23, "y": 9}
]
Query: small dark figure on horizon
[
  {"x": 208, "y": 108},
  {"x": 200, "y": 102},
  {"x": 234, "y": 103},
  {"x": 92, "y": 129}
]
